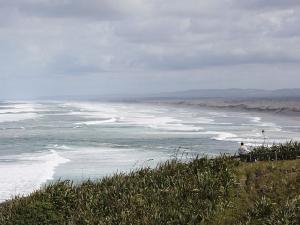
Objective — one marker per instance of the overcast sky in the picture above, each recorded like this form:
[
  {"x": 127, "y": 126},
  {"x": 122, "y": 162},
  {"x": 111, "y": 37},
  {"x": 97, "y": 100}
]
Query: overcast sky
[{"x": 79, "y": 47}]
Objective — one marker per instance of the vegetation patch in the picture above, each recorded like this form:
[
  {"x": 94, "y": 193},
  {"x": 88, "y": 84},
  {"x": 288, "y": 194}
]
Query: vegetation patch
[
  {"x": 287, "y": 151},
  {"x": 202, "y": 191}
]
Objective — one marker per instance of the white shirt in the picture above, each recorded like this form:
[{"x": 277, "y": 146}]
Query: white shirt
[{"x": 243, "y": 150}]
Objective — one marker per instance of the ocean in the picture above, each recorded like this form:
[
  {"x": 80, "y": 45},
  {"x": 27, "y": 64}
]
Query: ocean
[{"x": 42, "y": 142}]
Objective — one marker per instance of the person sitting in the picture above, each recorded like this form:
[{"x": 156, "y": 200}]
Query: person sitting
[{"x": 243, "y": 152}]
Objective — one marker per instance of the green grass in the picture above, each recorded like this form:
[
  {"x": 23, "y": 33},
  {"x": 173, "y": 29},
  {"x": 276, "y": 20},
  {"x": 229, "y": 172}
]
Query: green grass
[
  {"x": 287, "y": 151},
  {"x": 201, "y": 191},
  {"x": 267, "y": 192}
]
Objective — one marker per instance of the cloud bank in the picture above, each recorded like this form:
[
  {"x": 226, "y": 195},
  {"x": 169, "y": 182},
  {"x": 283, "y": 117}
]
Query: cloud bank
[{"x": 57, "y": 47}]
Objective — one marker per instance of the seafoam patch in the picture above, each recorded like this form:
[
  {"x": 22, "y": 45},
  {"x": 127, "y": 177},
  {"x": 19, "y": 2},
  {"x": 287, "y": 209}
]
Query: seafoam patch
[{"x": 22, "y": 174}]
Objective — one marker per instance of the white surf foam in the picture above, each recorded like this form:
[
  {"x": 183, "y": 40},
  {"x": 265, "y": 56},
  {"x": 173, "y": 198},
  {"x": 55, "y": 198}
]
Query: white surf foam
[
  {"x": 221, "y": 136},
  {"x": 175, "y": 127},
  {"x": 161, "y": 123},
  {"x": 22, "y": 174},
  {"x": 96, "y": 161},
  {"x": 17, "y": 108},
  {"x": 94, "y": 110},
  {"x": 134, "y": 115},
  {"x": 258, "y": 122},
  {"x": 204, "y": 120},
  {"x": 97, "y": 122},
  {"x": 58, "y": 147},
  {"x": 255, "y": 119},
  {"x": 16, "y": 117},
  {"x": 17, "y": 111}
]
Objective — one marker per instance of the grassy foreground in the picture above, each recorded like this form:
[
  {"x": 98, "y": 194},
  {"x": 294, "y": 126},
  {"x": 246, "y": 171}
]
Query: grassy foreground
[{"x": 202, "y": 191}]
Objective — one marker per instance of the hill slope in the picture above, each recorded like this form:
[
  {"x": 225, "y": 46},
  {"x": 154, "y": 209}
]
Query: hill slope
[{"x": 202, "y": 191}]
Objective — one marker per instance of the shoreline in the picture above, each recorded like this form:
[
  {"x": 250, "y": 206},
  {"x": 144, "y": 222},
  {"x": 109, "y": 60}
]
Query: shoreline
[{"x": 288, "y": 107}]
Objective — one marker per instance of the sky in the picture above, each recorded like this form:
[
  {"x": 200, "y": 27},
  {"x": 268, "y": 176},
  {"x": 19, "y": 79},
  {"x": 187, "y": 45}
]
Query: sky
[{"x": 99, "y": 47}]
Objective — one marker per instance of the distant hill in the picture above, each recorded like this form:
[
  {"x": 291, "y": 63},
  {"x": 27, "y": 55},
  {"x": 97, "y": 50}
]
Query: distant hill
[
  {"x": 234, "y": 93},
  {"x": 231, "y": 93}
]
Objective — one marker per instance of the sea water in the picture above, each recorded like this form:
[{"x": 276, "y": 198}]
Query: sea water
[{"x": 46, "y": 141}]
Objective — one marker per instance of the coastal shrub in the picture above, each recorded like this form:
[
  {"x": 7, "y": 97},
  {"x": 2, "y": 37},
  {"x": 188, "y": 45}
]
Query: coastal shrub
[
  {"x": 267, "y": 212},
  {"x": 287, "y": 151}
]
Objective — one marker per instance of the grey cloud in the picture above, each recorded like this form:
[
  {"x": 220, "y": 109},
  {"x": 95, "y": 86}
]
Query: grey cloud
[
  {"x": 93, "y": 9},
  {"x": 138, "y": 42},
  {"x": 197, "y": 59},
  {"x": 265, "y": 4}
]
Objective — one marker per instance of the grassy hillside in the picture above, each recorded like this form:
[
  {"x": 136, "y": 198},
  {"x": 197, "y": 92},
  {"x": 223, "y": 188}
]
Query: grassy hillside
[{"x": 202, "y": 191}]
